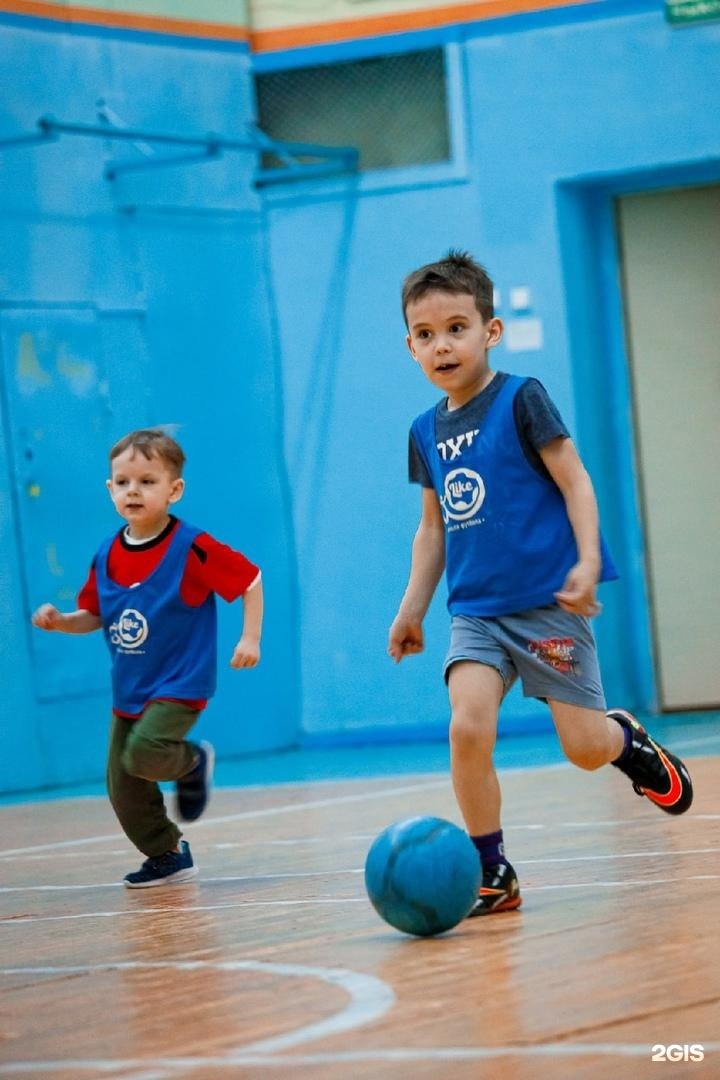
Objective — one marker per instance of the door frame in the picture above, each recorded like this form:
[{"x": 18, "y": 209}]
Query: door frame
[{"x": 590, "y": 256}]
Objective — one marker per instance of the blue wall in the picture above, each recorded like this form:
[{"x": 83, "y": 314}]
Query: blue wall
[
  {"x": 557, "y": 114},
  {"x": 155, "y": 288},
  {"x": 269, "y": 330}
]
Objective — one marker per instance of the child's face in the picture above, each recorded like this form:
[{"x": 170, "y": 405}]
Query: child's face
[
  {"x": 142, "y": 489},
  {"x": 450, "y": 341}
]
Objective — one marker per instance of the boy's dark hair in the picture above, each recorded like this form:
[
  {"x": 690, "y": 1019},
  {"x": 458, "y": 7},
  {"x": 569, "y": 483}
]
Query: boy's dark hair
[
  {"x": 456, "y": 273},
  {"x": 152, "y": 442}
]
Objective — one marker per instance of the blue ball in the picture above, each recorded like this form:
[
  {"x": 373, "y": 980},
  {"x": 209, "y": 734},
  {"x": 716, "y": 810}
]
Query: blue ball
[{"x": 422, "y": 875}]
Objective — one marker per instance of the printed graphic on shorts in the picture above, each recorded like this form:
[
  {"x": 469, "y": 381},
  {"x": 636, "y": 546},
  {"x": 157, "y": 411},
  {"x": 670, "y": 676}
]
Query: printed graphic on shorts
[
  {"x": 463, "y": 496},
  {"x": 130, "y": 631},
  {"x": 557, "y": 653}
]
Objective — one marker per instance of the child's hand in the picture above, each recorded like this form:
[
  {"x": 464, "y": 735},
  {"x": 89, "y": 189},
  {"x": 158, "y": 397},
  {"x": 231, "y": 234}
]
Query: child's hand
[
  {"x": 405, "y": 638},
  {"x": 577, "y": 595},
  {"x": 246, "y": 653},
  {"x": 47, "y": 617}
]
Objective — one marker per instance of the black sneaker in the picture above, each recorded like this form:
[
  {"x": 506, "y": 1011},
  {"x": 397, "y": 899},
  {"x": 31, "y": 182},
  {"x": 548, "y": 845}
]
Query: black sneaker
[
  {"x": 193, "y": 789},
  {"x": 654, "y": 771},
  {"x": 499, "y": 891},
  {"x": 172, "y": 868}
]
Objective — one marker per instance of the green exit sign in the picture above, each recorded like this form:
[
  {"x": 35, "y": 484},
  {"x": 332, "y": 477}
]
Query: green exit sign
[{"x": 688, "y": 11}]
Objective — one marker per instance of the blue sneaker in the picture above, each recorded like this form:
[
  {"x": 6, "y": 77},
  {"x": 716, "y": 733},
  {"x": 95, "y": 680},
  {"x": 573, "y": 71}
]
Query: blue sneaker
[
  {"x": 172, "y": 868},
  {"x": 193, "y": 789}
]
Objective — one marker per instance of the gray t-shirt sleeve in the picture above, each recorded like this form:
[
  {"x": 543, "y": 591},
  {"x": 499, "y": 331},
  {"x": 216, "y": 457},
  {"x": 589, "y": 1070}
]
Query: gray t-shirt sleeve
[
  {"x": 417, "y": 470},
  {"x": 538, "y": 422}
]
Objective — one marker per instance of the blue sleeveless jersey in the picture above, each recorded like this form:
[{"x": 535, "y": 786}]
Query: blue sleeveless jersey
[
  {"x": 159, "y": 645},
  {"x": 508, "y": 540}
]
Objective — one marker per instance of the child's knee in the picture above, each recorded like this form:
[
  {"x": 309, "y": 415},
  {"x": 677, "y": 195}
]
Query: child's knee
[
  {"x": 471, "y": 733},
  {"x": 584, "y": 735},
  {"x": 145, "y": 759},
  {"x": 586, "y": 756}
]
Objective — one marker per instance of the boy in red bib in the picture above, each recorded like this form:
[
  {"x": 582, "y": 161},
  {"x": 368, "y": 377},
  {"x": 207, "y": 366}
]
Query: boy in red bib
[{"x": 151, "y": 588}]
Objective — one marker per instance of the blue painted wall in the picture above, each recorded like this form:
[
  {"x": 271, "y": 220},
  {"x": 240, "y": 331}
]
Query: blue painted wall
[
  {"x": 557, "y": 114},
  {"x": 155, "y": 289},
  {"x": 269, "y": 330}
]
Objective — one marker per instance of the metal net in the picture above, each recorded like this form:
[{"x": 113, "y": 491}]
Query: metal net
[{"x": 393, "y": 109}]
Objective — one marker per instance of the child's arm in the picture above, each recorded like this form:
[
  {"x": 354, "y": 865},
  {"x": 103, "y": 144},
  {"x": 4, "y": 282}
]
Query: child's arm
[
  {"x": 47, "y": 617},
  {"x": 567, "y": 470},
  {"x": 427, "y": 565},
  {"x": 247, "y": 651}
]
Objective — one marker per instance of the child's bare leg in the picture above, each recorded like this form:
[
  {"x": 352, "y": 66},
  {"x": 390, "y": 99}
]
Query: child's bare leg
[
  {"x": 588, "y": 737},
  {"x": 591, "y": 738},
  {"x": 476, "y": 691}
]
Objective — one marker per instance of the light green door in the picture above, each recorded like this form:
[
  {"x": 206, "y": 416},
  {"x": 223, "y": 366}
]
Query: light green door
[{"x": 670, "y": 253}]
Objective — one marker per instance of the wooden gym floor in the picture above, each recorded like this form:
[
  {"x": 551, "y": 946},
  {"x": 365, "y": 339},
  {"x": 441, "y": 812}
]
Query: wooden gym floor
[{"x": 273, "y": 963}]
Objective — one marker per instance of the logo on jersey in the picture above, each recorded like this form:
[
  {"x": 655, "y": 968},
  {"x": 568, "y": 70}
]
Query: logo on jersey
[
  {"x": 130, "y": 631},
  {"x": 453, "y": 448},
  {"x": 464, "y": 495}
]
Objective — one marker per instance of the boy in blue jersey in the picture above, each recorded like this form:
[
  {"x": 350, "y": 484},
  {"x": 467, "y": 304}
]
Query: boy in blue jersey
[
  {"x": 152, "y": 589},
  {"x": 509, "y": 512}
]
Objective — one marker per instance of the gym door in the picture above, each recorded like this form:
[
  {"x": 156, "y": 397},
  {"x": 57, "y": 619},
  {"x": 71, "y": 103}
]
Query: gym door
[{"x": 669, "y": 244}]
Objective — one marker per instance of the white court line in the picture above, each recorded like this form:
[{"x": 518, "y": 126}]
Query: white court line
[
  {"x": 51, "y": 850},
  {"x": 12, "y": 920},
  {"x": 370, "y": 999},
  {"x": 269, "y": 811},
  {"x": 257, "y": 879},
  {"x": 30, "y": 855},
  {"x": 317, "y": 901},
  {"x": 615, "y": 855},
  {"x": 260, "y": 879},
  {"x": 340, "y": 1057},
  {"x": 621, "y": 884},
  {"x": 612, "y": 823},
  {"x": 466, "y": 1053}
]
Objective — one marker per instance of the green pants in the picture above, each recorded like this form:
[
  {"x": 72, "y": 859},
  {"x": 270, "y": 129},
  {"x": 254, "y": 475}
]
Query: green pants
[{"x": 141, "y": 753}]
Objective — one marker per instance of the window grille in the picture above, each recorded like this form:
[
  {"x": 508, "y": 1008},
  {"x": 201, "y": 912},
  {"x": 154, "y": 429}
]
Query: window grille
[{"x": 393, "y": 109}]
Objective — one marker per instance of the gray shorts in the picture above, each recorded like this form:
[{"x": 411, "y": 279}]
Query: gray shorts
[{"x": 552, "y": 652}]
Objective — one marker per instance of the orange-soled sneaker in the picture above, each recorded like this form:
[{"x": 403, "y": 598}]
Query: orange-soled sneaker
[
  {"x": 654, "y": 771},
  {"x": 499, "y": 891}
]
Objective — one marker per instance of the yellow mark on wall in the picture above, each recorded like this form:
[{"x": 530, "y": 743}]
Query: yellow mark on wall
[
  {"x": 52, "y": 561},
  {"x": 79, "y": 373},
  {"x": 30, "y": 372}
]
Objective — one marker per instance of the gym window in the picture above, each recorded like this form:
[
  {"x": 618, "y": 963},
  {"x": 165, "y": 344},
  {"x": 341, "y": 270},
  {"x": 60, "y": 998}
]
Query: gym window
[{"x": 393, "y": 109}]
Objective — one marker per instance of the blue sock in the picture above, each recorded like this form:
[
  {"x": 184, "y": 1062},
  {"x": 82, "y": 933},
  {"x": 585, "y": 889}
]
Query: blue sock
[
  {"x": 491, "y": 848},
  {"x": 623, "y": 755}
]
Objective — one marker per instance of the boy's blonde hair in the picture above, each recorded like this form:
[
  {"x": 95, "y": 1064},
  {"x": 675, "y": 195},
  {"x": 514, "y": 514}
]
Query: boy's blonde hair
[{"x": 152, "y": 442}]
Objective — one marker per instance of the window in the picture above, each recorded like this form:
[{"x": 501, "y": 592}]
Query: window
[{"x": 393, "y": 109}]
